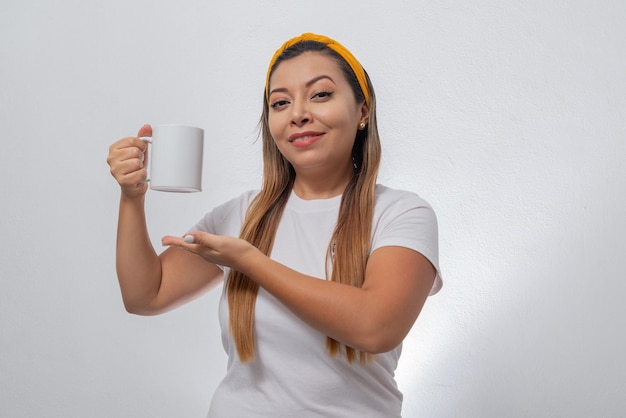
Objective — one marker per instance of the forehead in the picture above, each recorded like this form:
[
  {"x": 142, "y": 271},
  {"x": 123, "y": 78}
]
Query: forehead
[{"x": 305, "y": 67}]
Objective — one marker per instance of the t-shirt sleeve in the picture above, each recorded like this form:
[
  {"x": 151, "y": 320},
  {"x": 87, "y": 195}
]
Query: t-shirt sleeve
[
  {"x": 406, "y": 220},
  {"x": 227, "y": 218}
]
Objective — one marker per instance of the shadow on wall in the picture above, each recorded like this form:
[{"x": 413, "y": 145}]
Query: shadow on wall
[{"x": 530, "y": 317}]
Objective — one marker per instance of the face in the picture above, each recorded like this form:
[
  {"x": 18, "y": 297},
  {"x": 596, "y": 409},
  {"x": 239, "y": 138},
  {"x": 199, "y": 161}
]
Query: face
[{"x": 313, "y": 115}]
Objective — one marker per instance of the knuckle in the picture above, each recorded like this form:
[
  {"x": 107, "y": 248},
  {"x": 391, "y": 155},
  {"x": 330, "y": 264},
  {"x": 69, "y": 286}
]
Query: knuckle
[{"x": 142, "y": 175}]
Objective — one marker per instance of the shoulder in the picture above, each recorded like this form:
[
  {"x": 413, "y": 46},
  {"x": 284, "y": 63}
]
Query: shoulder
[
  {"x": 228, "y": 216},
  {"x": 386, "y": 194},
  {"x": 402, "y": 218},
  {"x": 237, "y": 204},
  {"x": 396, "y": 201}
]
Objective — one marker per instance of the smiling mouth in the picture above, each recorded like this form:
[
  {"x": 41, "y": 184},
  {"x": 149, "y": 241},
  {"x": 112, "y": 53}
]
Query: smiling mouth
[{"x": 304, "y": 136}]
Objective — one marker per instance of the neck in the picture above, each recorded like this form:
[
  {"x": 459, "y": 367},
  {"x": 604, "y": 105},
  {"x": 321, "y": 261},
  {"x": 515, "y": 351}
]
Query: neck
[{"x": 309, "y": 185}]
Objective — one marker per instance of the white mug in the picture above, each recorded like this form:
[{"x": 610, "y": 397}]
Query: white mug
[{"x": 175, "y": 160}]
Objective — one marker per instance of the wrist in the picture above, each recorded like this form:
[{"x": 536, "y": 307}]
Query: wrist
[
  {"x": 132, "y": 198},
  {"x": 250, "y": 261}
]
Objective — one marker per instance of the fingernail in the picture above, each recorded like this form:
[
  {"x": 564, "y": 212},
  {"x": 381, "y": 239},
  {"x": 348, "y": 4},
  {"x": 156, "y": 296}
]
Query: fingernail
[{"x": 189, "y": 239}]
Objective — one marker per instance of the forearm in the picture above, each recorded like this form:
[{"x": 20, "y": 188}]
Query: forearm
[
  {"x": 138, "y": 265},
  {"x": 373, "y": 318},
  {"x": 340, "y": 311}
]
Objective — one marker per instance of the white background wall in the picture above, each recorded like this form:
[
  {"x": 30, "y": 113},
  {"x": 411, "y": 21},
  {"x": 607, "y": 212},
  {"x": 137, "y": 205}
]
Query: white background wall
[{"x": 508, "y": 118}]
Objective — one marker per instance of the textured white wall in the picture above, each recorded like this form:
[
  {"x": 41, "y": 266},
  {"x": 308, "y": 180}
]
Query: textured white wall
[{"x": 509, "y": 118}]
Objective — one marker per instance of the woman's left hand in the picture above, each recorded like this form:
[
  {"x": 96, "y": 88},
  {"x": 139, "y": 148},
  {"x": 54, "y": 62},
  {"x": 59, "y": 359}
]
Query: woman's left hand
[{"x": 219, "y": 249}]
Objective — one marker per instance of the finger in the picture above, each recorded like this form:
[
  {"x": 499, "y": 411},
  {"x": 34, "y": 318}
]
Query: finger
[
  {"x": 172, "y": 240},
  {"x": 146, "y": 130},
  {"x": 129, "y": 172},
  {"x": 190, "y": 240},
  {"x": 129, "y": 152},
  {"x": 125, "y": 143},
  {"x": 199, "y": 238},
  {"x": 136, "y": 142},
  {"x": 126, "y": 160}
]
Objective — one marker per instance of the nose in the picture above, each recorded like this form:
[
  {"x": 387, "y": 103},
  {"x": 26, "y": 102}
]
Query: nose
[{"x": 300, "y": 113}]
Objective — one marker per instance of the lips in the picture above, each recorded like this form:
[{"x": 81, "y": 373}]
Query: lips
[{"x": 304, "y": 138}]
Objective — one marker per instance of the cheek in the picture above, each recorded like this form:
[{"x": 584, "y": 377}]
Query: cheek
[
  {"x": 275, "y": 124},
  {"x": 343, "y": 116},
  {"x": 276, "y": 132}
]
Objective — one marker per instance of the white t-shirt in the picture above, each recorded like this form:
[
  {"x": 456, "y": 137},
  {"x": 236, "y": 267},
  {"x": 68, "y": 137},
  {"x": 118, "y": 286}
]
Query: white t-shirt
[{"x": 293, "y": 375}]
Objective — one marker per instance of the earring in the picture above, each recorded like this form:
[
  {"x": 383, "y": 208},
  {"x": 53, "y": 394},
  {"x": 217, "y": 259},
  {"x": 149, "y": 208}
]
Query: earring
[{"x": 361, "y": 126}]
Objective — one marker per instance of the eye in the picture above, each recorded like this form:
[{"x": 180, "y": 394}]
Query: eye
[
  {"x": 322, "y": 94},
  {"x": 278, "y": 104}
]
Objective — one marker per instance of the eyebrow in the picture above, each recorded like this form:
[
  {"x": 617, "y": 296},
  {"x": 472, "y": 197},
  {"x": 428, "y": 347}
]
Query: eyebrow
[{"x": 307, "y": 84}]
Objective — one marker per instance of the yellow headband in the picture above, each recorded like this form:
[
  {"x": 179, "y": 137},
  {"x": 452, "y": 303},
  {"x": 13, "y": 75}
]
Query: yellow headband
[{"x": 332, "y": 44}]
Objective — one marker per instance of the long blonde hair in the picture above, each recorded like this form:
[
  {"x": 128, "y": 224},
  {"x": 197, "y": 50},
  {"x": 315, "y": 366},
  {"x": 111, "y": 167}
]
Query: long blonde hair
[{"x": 349, "y": 247}]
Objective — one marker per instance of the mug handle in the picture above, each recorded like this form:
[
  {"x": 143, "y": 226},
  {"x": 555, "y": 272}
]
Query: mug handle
[{"x": 147, "y": 139}]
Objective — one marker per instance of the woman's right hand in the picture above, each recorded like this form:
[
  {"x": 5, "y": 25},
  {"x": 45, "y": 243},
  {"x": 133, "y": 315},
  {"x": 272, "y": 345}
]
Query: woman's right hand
[{"x": 128, "y": 164}]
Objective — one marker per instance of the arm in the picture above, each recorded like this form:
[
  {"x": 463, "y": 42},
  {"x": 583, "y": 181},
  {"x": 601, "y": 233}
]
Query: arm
[
  {"x": 150, "y": 283},
  {"x": 374, "y": 318}
]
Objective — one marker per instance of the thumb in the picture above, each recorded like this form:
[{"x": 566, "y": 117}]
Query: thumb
[{"x": 146, "y": 130}]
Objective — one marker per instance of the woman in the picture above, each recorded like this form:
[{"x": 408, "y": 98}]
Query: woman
[{"x": 330, "y": 270}]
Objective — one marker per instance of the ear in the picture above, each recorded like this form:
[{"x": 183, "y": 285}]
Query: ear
[{"x": 365, "y": 113}]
